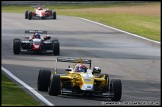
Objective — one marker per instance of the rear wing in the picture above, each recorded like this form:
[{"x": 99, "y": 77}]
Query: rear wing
[
  {"x": 73, "y": 60},
  {"x": 35, "y": 31}
]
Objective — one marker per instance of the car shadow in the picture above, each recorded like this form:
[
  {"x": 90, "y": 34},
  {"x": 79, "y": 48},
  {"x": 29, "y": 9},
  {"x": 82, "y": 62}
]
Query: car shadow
[{"x": 85, "y": 97}]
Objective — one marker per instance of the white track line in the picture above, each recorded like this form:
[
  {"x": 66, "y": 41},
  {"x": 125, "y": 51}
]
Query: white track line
[
  {"x": 28, "y": 87},
  {"x": 120, "y": 30}
]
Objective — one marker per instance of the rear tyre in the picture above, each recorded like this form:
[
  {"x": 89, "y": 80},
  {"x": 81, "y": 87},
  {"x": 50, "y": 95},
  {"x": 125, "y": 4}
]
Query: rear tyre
[
  {"x": 56, "y": 47},
  {"x": 106, "y": 77},
  {"x": 54, "y": 15},
  {"x": 43, "y": 79},
  {"x": 55, "y": 85},
  {"x": 116, "y": 88},
  {"x": 30, "y": 15},
  {"x": 16, "y": 46},
  {"x": 26, "y": 15}
]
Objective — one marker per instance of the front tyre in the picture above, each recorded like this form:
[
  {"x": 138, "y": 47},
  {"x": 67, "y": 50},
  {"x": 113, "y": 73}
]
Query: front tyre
[
  {"x": 26, "y": 15},
  {"x": 55, "y": 85},
  {"x": 56, "y": 47},
  {"x": 16, "y": 46},
  {"x": 30, "y": 15},
  {"x": 43, "y": 79},
  {"x": 54, "y": 15},
  {"x": 116, "y": 88}
]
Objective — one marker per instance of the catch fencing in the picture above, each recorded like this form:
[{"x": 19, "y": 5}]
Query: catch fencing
[{"x": 4, "y": 3}]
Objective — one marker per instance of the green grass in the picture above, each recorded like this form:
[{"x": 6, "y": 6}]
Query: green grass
[
  {"x": 13, "y": 95},
  {"x": 148, "y": 27},
  {"x": 144, "y": 25}
]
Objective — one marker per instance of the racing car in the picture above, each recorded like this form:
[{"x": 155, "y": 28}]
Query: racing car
[
  {"x": 40, "y": 13},
  {"x": 36, "y": 43},
  {"x": 78, "y": 80}
]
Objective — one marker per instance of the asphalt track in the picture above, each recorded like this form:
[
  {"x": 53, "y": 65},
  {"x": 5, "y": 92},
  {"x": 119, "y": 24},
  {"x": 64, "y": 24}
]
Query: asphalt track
[{"x": 135, "y": 61}]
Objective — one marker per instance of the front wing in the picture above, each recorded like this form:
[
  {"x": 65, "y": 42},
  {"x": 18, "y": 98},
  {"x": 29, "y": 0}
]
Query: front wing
[
  {"x": 28, "y": 46},
  {"x": 101, "y": 95}
]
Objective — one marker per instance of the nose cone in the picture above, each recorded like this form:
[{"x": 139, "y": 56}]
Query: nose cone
[
  {"x": 36, "y": 47},
  {"x": 43, "y": 14},
  {"x": 87, "y": 87}
]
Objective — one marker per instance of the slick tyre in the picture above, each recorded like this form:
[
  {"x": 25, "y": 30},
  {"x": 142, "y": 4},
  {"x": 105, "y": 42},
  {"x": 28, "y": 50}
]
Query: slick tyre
[
  {"x": 56, "y": 47},
  {"x": 54, "y": 15},
  {"x": 26, "y": 15},
  {"x": 106, "y": 77},
  {"x": 116, "y": 88},
  {"x": 16, "y": 46},
  {"x": 55, "y": 85},
  {"x": 43, "y": 79},
  {"x": 29, "y": 15}
]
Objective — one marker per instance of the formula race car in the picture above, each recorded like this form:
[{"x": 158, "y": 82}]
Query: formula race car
[
  {"x": 79, "y": 79},
  {"x": 36, "y": 43},
  {"x": 40, "y": 13}
]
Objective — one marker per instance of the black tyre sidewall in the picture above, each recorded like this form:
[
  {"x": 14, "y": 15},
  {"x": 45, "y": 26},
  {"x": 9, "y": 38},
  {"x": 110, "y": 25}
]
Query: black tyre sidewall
[
  {"x": 116, "y": 88},
  {"x": 43, "y": 79},
  {"x": 54, "y": 15},
  {"x": 56, "y": 47},
  {"x": 26, "y": 15},
  {"x": 55, "y": 85},
  {"x": 30, "y": 15},
  {"x": 16, "y": 46}
]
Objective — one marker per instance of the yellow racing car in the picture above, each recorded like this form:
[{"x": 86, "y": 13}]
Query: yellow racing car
[{"x": 79, "y": 79}]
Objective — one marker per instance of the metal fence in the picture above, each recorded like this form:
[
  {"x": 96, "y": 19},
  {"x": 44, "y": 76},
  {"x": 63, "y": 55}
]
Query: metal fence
[{"x": 4, "y": 3}]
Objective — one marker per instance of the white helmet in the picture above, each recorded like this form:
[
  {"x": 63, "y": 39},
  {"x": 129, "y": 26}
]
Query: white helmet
[
  {"x": 97, "y": 70},
  {"x": 39, "y": 8},
  {"x": 48, "y": 35}
]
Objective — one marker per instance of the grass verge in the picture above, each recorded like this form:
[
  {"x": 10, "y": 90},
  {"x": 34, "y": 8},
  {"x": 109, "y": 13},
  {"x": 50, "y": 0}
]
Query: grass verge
[{"x": 13, "y": 95}]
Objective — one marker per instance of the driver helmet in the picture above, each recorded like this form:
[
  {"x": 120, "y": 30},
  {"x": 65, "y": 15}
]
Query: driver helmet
[
  {"x": 37, "y": 35},
  {"x": 47, "y": 36},
  {"x": 39, "y": 8},
  {"x": 97, "y": 69},
  {"x": 82, "y": 68}
]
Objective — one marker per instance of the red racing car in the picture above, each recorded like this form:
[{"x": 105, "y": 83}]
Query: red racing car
[
  {"x": 40, "y": 13},
  {"x": 36, "y": 43}
]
